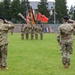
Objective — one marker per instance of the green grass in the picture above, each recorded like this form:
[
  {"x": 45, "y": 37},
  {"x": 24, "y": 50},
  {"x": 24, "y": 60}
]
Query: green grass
[{"x": 36, "y": 57}]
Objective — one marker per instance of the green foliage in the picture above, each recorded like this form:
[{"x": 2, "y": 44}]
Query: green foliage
[
  {"x": 43, "y": 8},
  {"x": 60, "y": 8},
  {"x": 15, "y": 8},
  {"x": 36, "y": 57},
  {"x": 24, "y": 3},
  {"x": 74, "y": 12},
  {"x": 5, "y": 8},
  {"x": 1, "y": 8}
]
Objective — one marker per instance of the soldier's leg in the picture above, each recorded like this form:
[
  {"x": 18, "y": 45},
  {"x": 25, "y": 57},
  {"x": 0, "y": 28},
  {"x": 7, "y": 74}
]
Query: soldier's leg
[
  {"x": 36, "y": 36},
  {"x": 22, "y": 36},
  {"x": 4, "y": 56},
  {"x": 0, "y": 57},
  {"x": 41, "y": 36},
  {"x": 69, "y": 52},
  {"x": 27, "y": 36},
  {"x": 11, "y": 32},
  {"x": 68, "y": 59},
  {"x": 32, "y": 36},
  {"x": 64, "y": 56}
]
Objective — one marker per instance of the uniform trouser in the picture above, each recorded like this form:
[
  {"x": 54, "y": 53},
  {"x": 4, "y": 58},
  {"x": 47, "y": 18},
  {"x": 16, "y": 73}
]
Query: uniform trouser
[
  {"x": 41, "y": 36},
  {"x": 22, "y": 36},
  {"x": 3, "y": 55},
  {"x": 66, "y": 50},
  {"x": 36, "y": 36},
  {"x": 27, "y": 35},
  {"x": 32, "y": 36}
]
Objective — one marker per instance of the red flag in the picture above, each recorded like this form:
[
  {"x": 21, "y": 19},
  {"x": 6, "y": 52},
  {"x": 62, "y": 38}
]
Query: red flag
[{"x": 41, "y": 17}]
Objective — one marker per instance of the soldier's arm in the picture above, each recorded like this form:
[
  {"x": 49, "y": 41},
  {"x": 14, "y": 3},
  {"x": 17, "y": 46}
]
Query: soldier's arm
[
  {"x": 58, "y": 35},
  {"x": 72, "y": 21},
  {"x": 9, "y": 24}
]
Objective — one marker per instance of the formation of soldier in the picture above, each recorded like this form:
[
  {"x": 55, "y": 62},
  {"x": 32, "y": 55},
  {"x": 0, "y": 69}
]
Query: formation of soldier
[
  {"x": 32, "y": 30},
  {"x": 64, "y": 38}
]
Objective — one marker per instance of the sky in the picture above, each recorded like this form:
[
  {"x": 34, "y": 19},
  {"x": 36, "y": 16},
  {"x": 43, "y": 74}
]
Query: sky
[{"x": 69, "y": 2}]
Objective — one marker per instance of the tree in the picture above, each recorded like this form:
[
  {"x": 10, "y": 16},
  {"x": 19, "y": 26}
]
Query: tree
[
  {"x": 5, "y": 8},
  {"x": 43, "y": 8},
  {"x": 71, "y": 12},
  {"x": 61, "y": 9},
  {"x": 15, "y": 9},
  {"x": 1, "y": 8},
  {"x": 24, "y": 3},
  {"x": 74, "y": 12}
]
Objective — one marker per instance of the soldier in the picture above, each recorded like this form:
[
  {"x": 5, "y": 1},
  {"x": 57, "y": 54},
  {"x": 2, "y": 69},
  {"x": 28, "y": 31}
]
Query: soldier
[
  {"x": 32, "y": 31},
  {"x": 4, "y": 42},
  {"x": 22, "y": 32},
  {"x": 36, "y": 32},
  {"x": 11, "y": 31},
  {"x": 65, "y": 39},
  {"x": 41, "y": 32},
  {"x": 26, "y": 30}
]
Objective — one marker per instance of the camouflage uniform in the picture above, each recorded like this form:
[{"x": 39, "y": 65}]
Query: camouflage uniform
[
  {"x": 4, "y": 43},
  {"x": 32, "y": 32},
  {"x": 41, "y": 32},
  {"x": 36, "y": 32},
  {"x": 65, "y": 37},
  {"x": 22, "y": 32},
  {"x": 11, "y": 31},
  {"x": 26, "y": 30}
]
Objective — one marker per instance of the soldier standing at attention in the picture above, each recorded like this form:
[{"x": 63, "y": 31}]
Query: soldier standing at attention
[
  {"x": 4, "y": 42},
  {"x": 22, "y": 32},
  {"x": 65, "y": 39},
  {"x": 32, "y": 31},
  {"x": 41, "y": 32},
  {"x": 26, "y": 30},
  {"x": 36, "y": 32}
]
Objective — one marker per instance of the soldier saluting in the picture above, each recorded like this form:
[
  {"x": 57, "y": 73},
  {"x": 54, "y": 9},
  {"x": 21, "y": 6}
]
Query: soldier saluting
[
  {"x": 65, "y": 39},
  {"x": 4, "y": 42}
]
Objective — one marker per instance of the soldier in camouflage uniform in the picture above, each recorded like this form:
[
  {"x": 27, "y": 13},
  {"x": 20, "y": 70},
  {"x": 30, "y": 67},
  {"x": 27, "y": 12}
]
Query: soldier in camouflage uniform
[
  {"x": 22, "y": 32},
  {"x": 11, "y": 31},
  {"x": 41, "y": 32},
  {"x": 65, "y": 39},
  {"x": 36, "y": 32},
  {"x": 32, "y": 31},
  {"x": 27, "y": 31},
  {"x": 4, "y": 42}
]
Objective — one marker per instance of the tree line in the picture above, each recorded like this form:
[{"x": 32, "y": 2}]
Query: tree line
[{"x": 10, "y": 9}]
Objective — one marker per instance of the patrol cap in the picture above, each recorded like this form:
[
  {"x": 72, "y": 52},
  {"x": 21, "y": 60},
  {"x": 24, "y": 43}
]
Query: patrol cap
[
  {"x": 66, "y": 18},
  {"x": 1, "y": 17}
]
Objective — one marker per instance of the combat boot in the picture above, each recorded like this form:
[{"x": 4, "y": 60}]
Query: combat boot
[
  {"x": 4, "y": 68},
  {"x": 0, "y": 68},
  {"x": 65, "y": 66}
]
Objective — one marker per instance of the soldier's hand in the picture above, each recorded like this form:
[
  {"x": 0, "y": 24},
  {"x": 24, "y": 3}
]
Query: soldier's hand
[
  {"x": 5, "y": 20},
  {"x": 70, "y": 20}
]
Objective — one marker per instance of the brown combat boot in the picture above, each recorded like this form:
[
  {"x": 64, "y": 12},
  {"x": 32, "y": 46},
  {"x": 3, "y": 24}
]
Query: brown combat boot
[
  {"x": 65, "y": 66},
  {"x": 4, "y": 68}
]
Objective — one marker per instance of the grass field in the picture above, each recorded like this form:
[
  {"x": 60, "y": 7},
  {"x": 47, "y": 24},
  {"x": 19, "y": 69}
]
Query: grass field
[{"x": 36, "y": 57}]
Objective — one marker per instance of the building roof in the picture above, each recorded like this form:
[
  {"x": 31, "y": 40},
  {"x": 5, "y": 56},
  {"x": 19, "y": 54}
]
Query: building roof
[{"x": 35, "y": 3}]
